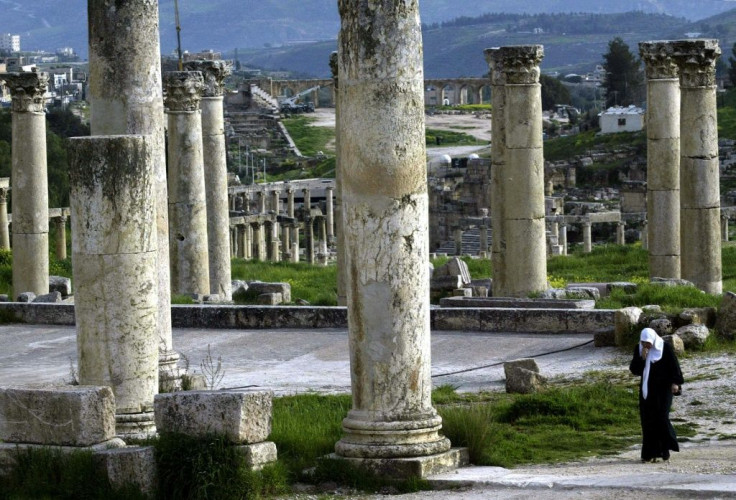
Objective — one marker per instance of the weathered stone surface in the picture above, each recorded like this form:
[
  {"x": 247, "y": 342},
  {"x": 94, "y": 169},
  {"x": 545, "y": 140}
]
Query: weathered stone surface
[
  {"x": 625, "y": 285},
  {"x": 697, "y": 316},
  {"x": 63, "y": 416},
  {"x": 675, "y": 342},
  {"x": 60, "y": 284},
  {"x": 726, "y": 322},
  {"x": 401, "y": 468},
  {"x": 258, "y": 454},
  {"x": 446, "y": 283},
  {"x": 651, "y": 309},
  {"x": 241, "y": 418},
  {"x": 693, "y": 336},
  {"x": 583, "y": 292},
  {"x": 522, "y": 376},
  {"x": 239, "y": 286},
  {"x": 454, "y": 267},
  {"x": 625, "y": 321},
  {"x": 132, "y": 465},
  {"x": 270, "y": 299},
  {"x": 260, "y": 287},
  {"x": 4, "y": 297},
  {"x": 26, "y": 297},
  {"x": 554, "y": 293},
  {"x": 52, "y": 297},
  {"x": 663, "y": 326},
  {"x": 670, "y": 282},
  {"x": 462, "y": 292}
]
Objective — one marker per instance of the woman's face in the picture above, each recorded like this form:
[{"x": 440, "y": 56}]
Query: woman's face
[{"x": 645, "y": 344}]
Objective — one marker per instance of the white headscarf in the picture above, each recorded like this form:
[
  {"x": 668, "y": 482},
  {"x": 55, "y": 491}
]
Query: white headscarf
[{"x": 655, "y": 354}]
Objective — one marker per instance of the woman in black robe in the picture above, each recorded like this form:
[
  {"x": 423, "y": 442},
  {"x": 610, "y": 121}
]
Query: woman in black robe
[{"x": 655, "y": 361}]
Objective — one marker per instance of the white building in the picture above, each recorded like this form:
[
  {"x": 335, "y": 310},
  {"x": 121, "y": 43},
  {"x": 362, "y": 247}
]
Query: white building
[
  {"x": 620, "y": 119},
  {"x": 10, "y": 42}
]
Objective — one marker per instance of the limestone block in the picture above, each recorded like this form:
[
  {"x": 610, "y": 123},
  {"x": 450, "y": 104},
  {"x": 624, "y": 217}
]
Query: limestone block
[
  {"x": 670, "y": 282},
  {"x": 239, "y": 286},
  {"x": 698, "y": 316},
  {"x": 242, "y": 418},
  {"x": 258, "y": 454},
  {"x": 522, "y": 376},
  {"x": 455, "y": 267},
  {"x": 526, "y": 363},
  {"x": 663, "y": 326},
  {"x": 26, "y": 297},
  {"x": 651, "y": 309},
  {"x": 726, "y": 321},
  {"x": 693, "y": 336},
  {"x": 60, "y": 284},
  {"x": 52, "y": 297},
  {"x": 63, "y": 416},
  {"x": 132, "y": 465},
  {"x": 270, "y": 299},
  {"x": 260, "y": 287},
  {"x": 462, "y": 292},
  {"x": 4, "y": 297},
  {"x": 441, "y": 283},
  {"x": 675, "y": 342},
  {"x": 480, "y": 291},
  {"x": 625, "y": 320},
  {"x": 583, "y": 292},
  {"x": 627, "y": 286}
]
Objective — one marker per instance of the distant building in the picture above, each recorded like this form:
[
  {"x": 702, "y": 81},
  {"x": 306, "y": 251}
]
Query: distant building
[
  {"x": 620, "y": 119},
  {"x": 10, "y": 43}
]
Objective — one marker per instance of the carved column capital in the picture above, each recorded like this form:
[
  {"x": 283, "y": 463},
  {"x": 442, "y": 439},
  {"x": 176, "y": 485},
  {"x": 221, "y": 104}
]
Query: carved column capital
[
  {"x": 183, "y": 90},
  {"x": 659, "y": 60},
  {"x": 495, "y": 65},
  {"x": 521, "y": 63},
  {"x": 214, "y": 73},
  {"x": 27, "y": 90},
  {"x": 697, "y": 61}
]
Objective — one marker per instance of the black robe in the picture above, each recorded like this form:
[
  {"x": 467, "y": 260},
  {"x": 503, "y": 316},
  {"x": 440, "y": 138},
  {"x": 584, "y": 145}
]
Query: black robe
[{"x": 658, "y": 434}]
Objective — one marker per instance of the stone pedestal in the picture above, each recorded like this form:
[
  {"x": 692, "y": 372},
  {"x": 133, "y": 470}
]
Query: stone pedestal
[
  {"x": 125, "y": 96},
  {"x": 663, "y": 158},
  {"x": 215, "y": 175},
  {"x": 700, "y": 204},
  {"x": 187, "y": 199},
  {"x": 385, "y": 214},
  {"x": 115, "y": 257},
  {"x": 30, "y": 186}
]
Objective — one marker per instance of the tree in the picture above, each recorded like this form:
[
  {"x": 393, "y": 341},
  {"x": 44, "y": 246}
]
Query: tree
[
  {"x": 732, "y": 66},
  {"x": 623, "y": 79},
  {"x": 553, "y": 92}
]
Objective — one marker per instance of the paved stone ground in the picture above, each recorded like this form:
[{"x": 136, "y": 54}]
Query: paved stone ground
[{"x": 292, "y": 361}]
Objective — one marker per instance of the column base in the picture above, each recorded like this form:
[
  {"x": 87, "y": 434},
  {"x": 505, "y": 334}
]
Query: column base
[
  {"x": 169, "y": 373},
  {"x": 402, "y": 468},
  {"x": 135, "y": 426}
]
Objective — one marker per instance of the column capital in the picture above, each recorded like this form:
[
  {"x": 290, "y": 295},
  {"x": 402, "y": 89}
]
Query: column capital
[
  {"x": 183, "y": 90},
  {"x": 521, "y": 63},
  {"x": 659, "y": 62},
  {"x": 214, "y": 73},
  {"x": 697, "y": 61},
  {"x": 495, "y": 65},
  {"x": 27, "y": 90}
]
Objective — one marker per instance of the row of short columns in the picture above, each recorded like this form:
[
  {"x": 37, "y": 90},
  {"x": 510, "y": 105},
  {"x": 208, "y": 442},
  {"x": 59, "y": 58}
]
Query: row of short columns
[{"x": 683, "y": 193}]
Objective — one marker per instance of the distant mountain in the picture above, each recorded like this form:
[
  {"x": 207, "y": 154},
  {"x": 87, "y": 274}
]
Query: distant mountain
[{"x": 225, "y": 24}]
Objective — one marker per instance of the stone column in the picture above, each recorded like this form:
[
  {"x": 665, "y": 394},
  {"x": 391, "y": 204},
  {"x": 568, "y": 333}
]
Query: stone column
[
  {"x": 385, "y": 215},
  {"x": 644, "y": 234},
  {"x": 309, "y": 236},
  {"x": 483, "y": 238},
  {"x": 620, "y": 233},
  {"x": 563, "y": 238},
  {"x": 259, "y": 235},
  {"x": 663, "y": 158},
  {"x": 233, "y": 241},
  {"x": 523, "y": 174},
  {"x": 290, "y": 202},
  {"x": 30, "y": 204},
  {"x": 275, "y": 243},
  {"x": 323, "y": 238},
  {"x": 4, "y": 230},
  {"x": 724, "y": 227},
  {"x": 498, "y": 161},
  {"x": 700, "y": 202},
  {"x": 125, "y": 96},
  {"x": 342, "y": 275},
  {"x": 275, "y": 201},
  {"x": 457, "y": 236},
  {"x": 554, "y": 229},
  {"x": 60, "y": 237},
  {"x": 330, "y": 224},
  {"x": 248, "y": 245},
  {"x": 285, "y": 243},
  {"x": 240, "y": 239},
  {"x": 215, "y": 174},
  {"x": 187, "y": 199},
  {"x": 261, "y": 202},
  {"x": 115, "y": 258},
  {"x": 587, "y": 237}
]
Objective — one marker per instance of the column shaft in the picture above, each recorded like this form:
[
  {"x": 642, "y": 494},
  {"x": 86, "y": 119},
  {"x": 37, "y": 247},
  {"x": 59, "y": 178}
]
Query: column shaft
[
  {"x": 4, "y": 230},
  {"x": 587, "y": 238},
  {"x": 60, "y": 237}
]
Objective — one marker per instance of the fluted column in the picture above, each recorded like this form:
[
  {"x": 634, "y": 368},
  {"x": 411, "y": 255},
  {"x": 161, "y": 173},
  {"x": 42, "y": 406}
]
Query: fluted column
[
  {"x": 4, "y": 230},
  {"x": 30, "y": 204},
  {"x": 275, "y": 243},
  {"x": 700, "y": 202},
  {"x": 187, "y": 199},
  {"x": 663, "y": 158},
  {"x": 215, "y": 174},
  {"x": 385, "y": 214},
  {"x": 523, "y": 174}
]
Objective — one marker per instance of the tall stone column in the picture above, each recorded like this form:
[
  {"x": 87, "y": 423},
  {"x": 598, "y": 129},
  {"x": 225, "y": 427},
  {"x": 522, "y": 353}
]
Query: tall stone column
[
  {"x": 248, "y": 241},
  {"x": 700, "y": 204},
  {"x": 240, "y": 237},
  {"x": 233, "y": 241},
  {"x": 724, "y": 227},
  {"x": 261, "y": 202},
  {"x": 30, "y": 203},
  {"x": 290, "y": 202},
  {"x": 484, "y": 239},
  {"x": 60, "y": 237},
  {"x": 522, "y": 177},
  {"x": 385, "y": 215},
  {"x": 4, "y": 230},
  {"x": 275, "y": 243},
  {"x": 187, "y": 199},
  {"x": 259, "y": 237},
  {"x": 498, "y": 161},
  {"x": 323, "y": 239},
  {"x": 587, "y": 237},
  {"x": 275, "y": 202},
  {"x": 125, "y": 96},
  {"x": 330, "y": 224},
  {"x": 309, "y": 239},
  {"x": 563, "y": 238},
  {"x": 342, "y": 275},
  {"x": 620, "y": 233},
  {"x": 115, "y": 259},
  {"x": 215, "y": 174},
  {"x": 663, "y": 158},
  {"x": 285, "y": 243}
]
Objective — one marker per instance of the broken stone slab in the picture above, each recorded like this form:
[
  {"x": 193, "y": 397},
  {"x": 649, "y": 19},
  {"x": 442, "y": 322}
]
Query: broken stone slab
[
  {"x": 445, "y": 283},
  {"x": 670, "y": 282},
  {"x": 726, "y": 322},
  {"x": 625, "y": 321},
  {"x": 62, "y": 416},
  {"x": 269, "y": 299},
  {"x": 583, "y": 292},
  {"x": 242, "y": 418},
  {"x": 676, "y": 343},
  {"x": 626, "y": 286},
  {"x": 239, "y": 286},
  {"x": 26, "y": 297},
  {"x": 603, "y": 288},
  {"x": 257, "y": 455},
  {"x": 554, "y": 293},
  {"x": 60, "y": 284},
  {"x": 693, "y": 336},
  {"x": 259, "y": 287},
  {"x": 455, "y": 267},
  {"x": 522, "y": 376},
  {"x": 132, "y": 465},
  {"x": 516, "y": 303},
  {"x": 49, "y": 298},
  {"x": 697, "y": 316}
]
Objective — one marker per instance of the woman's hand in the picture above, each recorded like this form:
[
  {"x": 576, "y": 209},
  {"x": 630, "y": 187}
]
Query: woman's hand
[{"x": 644, "y": 352}]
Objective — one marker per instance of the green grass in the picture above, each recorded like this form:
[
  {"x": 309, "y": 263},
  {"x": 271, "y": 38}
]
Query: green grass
[
  {"x": 563, "y": 148},
  {"x": 450, "y": 138},
  {"x": 308, "y": 138},
  {"x": 315, "y": 284},
  {"x": 727, "y": 123}
]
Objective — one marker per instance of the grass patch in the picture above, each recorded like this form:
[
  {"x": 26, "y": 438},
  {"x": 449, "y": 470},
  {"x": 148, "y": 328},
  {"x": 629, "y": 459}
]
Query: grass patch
[
  {"x": 315, "y": 284},
  {"x": 563, "y": 148},
  {"x": 450, "y": 138},
  {"x": 308, "y": 138}
]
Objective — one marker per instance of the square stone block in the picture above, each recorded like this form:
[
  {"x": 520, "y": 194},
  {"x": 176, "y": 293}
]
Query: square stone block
[
  {"x": 134, "y": 465},
  {"x": 259, "y": 454},
  {"x": 402, "y": 468},
  {"x": 62, "y": 416},
  {"x": 242, "y": 418}
]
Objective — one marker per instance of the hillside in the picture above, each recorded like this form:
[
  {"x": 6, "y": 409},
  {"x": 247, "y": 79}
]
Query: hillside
[{"x": 224, "y": 24}]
